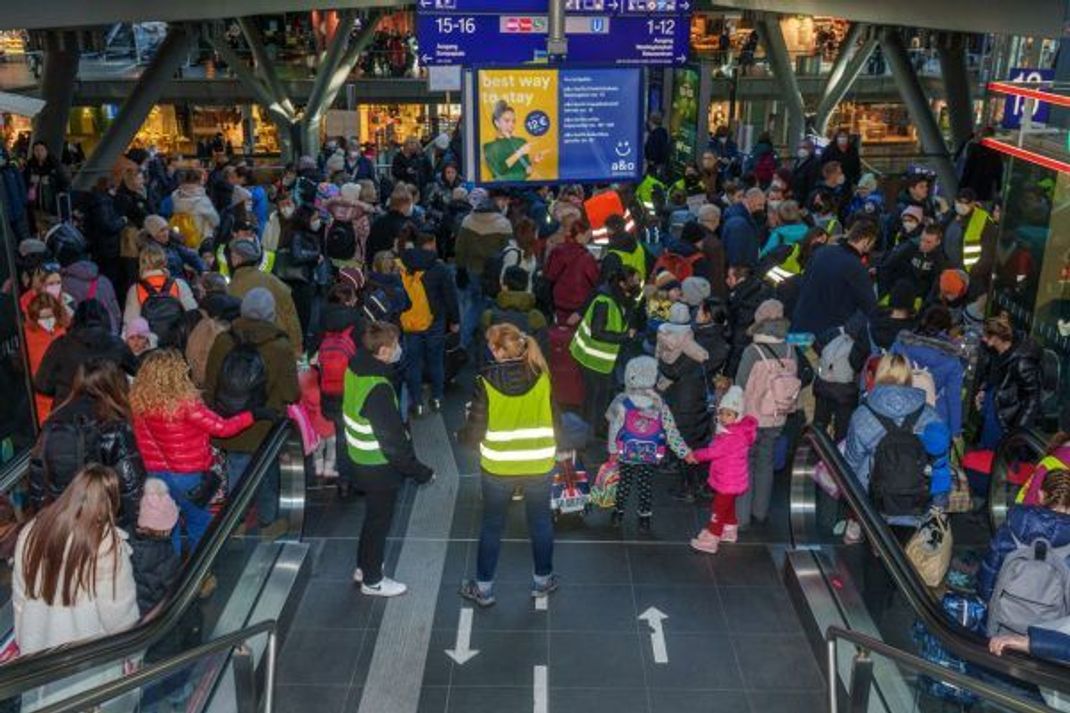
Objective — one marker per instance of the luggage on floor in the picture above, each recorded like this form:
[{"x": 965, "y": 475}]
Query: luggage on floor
[
  {"x": 570, "y": 491},
  {"x": 604, "y": 490},
  {"x": 967, "y": 610},
  {"x": 565, "y": 373}
]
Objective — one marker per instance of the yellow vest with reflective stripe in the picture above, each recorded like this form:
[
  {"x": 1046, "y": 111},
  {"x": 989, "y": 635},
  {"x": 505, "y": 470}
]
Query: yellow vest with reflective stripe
[
  {"x": 591, "y": 353},
  {"x": 971, "y": 237},
  {"x": 788, "y": 268},
  {"x": 520, "y": 432},
  {"x": 361, "y": 444},
  {"x": 635, "y": 259}
]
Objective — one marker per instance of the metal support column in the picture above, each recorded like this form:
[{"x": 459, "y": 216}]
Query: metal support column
[
  {"x": 776, "y": 50},
  {"x": 264, "y": 66},
  {"x": 839, "y": 66},
  {"x": 556, "y": 42},
  {"x": 835, "y": 92},
  {"x": 168, "y": 58},
  {"x": 932, "y": 142},
  {"x": 57, "y": 89},
  {"x": 957, "y": 87}
]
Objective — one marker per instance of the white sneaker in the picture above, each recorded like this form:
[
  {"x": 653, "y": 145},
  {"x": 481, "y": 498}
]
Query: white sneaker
[
  {"x": 852, "y": 533},
  {"x": 358, "y": 575},
  {"x": 386, "y": 588}
]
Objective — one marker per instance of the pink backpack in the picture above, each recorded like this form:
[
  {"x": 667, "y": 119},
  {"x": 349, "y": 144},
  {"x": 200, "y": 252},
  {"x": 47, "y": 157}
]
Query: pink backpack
[
  {"x": 642, "y": 437},
  {"x": 772, "y": 388}
]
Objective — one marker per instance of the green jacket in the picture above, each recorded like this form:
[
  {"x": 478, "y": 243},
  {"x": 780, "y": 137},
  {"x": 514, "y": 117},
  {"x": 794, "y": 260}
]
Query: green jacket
[
  {"x": 496, "y": 152},
  {"x": 248, "y": 277},
  {"x": 482, "y": 235}
]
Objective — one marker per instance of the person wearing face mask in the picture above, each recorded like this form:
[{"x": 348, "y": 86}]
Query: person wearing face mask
[
  {"x": 805, "y": 171},
  {"x": 906, "y": 228},
  {"x": 844, "y": 152},
  {"x": 379, "y": 451},
  {"x": 971, "y": 239},
  {"x": 46, "y": 278},
  {"x": 357, "y": 166},
  {"x": 691, "y": 183},
  {"x": 47, "y": 320},
  {"x": 744, "y": 228},
  {"x": 279, "y": 223},
  {"x": 296, "y": 259}
]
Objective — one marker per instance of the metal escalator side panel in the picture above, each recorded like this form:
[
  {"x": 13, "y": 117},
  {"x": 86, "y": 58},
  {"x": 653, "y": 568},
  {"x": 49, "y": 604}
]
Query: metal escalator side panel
[{"x": 1001, "y": 492}]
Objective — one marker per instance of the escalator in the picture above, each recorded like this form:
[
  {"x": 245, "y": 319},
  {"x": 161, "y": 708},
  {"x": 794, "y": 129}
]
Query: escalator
[
  {"x": 255, "y": 576},
  {"x": 872, "y": 589}
]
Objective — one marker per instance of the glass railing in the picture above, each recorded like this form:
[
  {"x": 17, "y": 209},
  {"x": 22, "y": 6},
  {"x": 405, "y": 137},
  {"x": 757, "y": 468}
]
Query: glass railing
[
  {"x": 215, "y": 595},
  {"x": 877, "y": 588}
]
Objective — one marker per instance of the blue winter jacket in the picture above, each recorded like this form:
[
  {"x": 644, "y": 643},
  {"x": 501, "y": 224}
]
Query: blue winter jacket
[
  {"x": 865, "y": 432},
  {"x": 788, "y": 234},
  {"x": 941, "y": 358},
  {"x": 1049, "y": 644},
  {"x": 740, "y": 235},
  {"x": 835, "y": 286},
  {"x": 1027, "y": 523}
]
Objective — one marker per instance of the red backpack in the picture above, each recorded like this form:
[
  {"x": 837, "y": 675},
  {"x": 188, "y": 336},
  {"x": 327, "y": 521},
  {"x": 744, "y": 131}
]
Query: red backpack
[
  {"x": 681, "y": 267},
  {"x": 336, "y": 349}
]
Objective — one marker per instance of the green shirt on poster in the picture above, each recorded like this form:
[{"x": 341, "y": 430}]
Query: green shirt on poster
[{"x": 497, "y": 152}]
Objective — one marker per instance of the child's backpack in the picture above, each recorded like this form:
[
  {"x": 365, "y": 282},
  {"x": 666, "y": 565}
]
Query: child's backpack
[
  {"x": 186, "y": 225},
  {"x": 417, "y": 318},
  {"x": 681, "y": 267},
  {"x": 773, "y": 387},
  {"x": 1033, "y": 586},
  {"x": 491, "y": 279},
  {"x": 642, "y": 437},
  {"x": 242, "y": 379},
  {"x": 340, "y": 243},
  {"x": 898, "y": 480},
  {"x": 335, "y": 351},
  {"x": 834, "y": 366},
  {"x": 163, "y": 311},
  {"x": 604, "y": 490}
]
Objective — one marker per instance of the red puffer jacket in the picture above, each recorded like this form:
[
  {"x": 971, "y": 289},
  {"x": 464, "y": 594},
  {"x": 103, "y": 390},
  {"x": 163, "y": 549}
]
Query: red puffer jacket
[{"x": 180, "y": 443}]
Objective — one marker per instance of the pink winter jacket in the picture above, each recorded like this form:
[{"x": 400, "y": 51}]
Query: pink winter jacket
[{"x": 727, "y": 456}]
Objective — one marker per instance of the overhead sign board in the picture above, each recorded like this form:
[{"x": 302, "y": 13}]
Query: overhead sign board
[
  {"x": 550, "y": 125},
  {"x": 509, "y": 32},
  {"x": 1014, "y": 107}
]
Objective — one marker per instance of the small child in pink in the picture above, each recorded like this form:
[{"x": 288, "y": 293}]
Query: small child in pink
[
  {"x": 324, "y": 455},
  {"x": 727, "y": 455}
]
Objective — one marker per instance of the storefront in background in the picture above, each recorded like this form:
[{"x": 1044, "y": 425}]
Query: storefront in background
[{"x": 383, "y": 125}]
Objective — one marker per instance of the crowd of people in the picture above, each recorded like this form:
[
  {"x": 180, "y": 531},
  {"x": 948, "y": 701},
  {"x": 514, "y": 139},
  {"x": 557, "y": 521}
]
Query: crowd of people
[{"x": 695, "y": 326}]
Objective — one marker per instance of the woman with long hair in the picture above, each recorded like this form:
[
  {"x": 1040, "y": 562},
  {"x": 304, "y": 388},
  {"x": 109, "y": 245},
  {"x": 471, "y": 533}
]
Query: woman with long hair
[
  {"x": 91, "y": 426},
  {"x": 174, "y": 429},
  {"x": 512, "y": 420}
]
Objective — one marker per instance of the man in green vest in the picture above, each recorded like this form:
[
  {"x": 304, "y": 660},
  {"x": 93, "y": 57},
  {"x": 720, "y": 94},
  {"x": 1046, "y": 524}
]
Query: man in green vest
[
  {"x": 604, "y": 328},
  {"x": 970, "y": 241},
  {"x": 379, "y": 449},
  {"x": 624, "y": 245}
]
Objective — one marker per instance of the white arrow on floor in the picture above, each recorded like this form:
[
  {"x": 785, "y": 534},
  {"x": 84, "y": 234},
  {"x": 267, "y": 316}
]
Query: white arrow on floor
[
  {"x": 654, "y": 617},
  {"x": 461, "y": 651}
]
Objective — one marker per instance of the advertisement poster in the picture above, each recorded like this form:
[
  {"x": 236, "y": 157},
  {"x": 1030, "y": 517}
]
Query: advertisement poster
[
  {"x": 542, "y": 125},
  {"x": 683, "y": 117}
]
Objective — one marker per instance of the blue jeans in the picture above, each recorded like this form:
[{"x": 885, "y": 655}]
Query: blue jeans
[
  {"x": 267, "y": 498},
  {"x": 471, "y": 304},
  {"x": 497, "y": 492},
  {"x": 196, "y": 519},
  {"x": 425, "y": 354}
]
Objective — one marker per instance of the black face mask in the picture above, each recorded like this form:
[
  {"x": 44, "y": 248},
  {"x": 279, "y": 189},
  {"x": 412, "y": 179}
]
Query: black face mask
[{"x": 760, "y": 216}]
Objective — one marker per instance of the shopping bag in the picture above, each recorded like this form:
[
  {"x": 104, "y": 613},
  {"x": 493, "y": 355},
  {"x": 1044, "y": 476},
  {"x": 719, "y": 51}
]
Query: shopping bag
[
  {"x": 604, "y": 490},
  {"x": 929, "y": 548}
]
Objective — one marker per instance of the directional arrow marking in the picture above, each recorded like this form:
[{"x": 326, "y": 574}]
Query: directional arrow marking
[
  {"x": 654, "y": 617},
  {"x": 542, "y": 692},
  {"x": 461, "y": 651}
]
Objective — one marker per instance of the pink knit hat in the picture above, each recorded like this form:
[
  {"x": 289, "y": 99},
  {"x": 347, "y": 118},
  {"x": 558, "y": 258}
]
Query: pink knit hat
[{"x": 158, "y": 510}]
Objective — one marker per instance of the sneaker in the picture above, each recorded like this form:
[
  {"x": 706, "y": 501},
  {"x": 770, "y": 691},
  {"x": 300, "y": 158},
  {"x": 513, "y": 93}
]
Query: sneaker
[
  {"x": 852, "y": 533},
  {"x": 385, "y": 588},
  {"x": 470, "y": 590},
  {"x": 705, "y": 541},
  {"x": 547, "y": 588},
  {"x": 358, "y": 575},
  {"x": 436, "y": 405},
  {"x": 518, "y": 494},
  {"x": 416, "y": 411},
  {"x": 730, "y": 533}
]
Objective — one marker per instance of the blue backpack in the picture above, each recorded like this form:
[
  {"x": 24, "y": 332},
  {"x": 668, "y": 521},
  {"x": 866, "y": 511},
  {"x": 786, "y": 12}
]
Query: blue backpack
[{"x": 642, "y": 437}]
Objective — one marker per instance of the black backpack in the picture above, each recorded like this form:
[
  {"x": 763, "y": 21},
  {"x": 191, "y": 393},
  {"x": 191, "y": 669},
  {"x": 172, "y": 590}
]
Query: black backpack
[
  {"x": 340, "y": 242},
  {"x": 242, "y": 379},
  {"x": 491, "y": 280},
  {"x": 164, "y": 313},
  {"x": 66, "y": 448},
  {"x": 898, "y": 480}
]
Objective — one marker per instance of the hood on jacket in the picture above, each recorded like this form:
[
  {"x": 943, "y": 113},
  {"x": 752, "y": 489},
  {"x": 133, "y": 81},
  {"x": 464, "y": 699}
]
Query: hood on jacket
[
  {"x": 189, "y": 192},
  {"x": 672, "y": 342},
  {"x": 895, "y": 401},
  {"x": 913, "y": 340},
  {"x": 1028, "y": 522},
  {"x": 418, "y": 259},
  {"x": 364, "y": 364},
  {"x": 519, "y": 301},
  {"x": 773, "y": 328},
  {"x": 257, "y": 331},
  {"x": 487, "y": 223},
  {"x": 512, "y": 377},
  {"x": 84, "y": 270},
  {"x": 680, "y": 247}
]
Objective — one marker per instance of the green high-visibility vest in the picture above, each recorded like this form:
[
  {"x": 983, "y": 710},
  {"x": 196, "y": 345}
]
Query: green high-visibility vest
[
  {"x": 361, "y": 443},
  {"x": 971, "y": 237},
  {"x": 787, "y": 269},
  {"x": 520, "y": 432},
  {"x": 635, "y": 259},
  {"x": 645, "y": 191},
  {"x": 591, "y": 353}
]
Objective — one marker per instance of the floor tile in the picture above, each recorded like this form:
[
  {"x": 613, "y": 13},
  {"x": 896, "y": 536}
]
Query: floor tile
[
  {"x": 696, "y": 661},
  {"x": 514, "y": 561},
  {"x": 591, "y": 563},
  {"x": 758, "y": 610},
  {"x": 504, "y": 659},
  {"x": 514, "y": 610},
  {"x": 673, "y": 701},
  {"x": 794, "y": 701},
  {"x": 432, "y": 699},
  {"x": 333, "y": 559},
  {"x": 664, "y": 564},
  {"x": 689, "y": 609},
  {"x": 597, "y": 700},
  {"x": 777, "y": 663},
  {"x": 319, "y": 656},
  {"x": 593, "y": 608},
  {"x": 744, "y": 565},
  {"x": 334, "y": 519},
  {"x": 610, "y": 659},
  {"x": 333, "y": 604},
  {"x": 489, "y": 699},
  {"x": 295, "y": 699}
]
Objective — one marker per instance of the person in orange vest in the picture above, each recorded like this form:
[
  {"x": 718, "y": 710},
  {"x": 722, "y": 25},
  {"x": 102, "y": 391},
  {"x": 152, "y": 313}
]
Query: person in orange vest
[{"x": 602, "y": 205}]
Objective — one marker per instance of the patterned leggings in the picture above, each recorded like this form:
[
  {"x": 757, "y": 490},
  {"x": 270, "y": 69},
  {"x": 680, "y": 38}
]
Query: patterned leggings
[{"x": 643, "y": 474}]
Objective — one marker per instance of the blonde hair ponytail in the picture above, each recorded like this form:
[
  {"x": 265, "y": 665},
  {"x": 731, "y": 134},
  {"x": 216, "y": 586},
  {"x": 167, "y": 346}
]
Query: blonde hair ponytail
[{"x": 514, "y": 344}]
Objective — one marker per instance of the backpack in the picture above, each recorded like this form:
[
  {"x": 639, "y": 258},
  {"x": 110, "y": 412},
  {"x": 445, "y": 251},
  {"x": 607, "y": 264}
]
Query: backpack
[
  {"x": 967, "y": 611},
  {"x": 776, "y": 388},
  {"x": 491, "y": 279},
  {"x": 898, "y": 481},
  {"x": 340, "y": 243},
  {"x": 242, "y": 379},
  {"x": 604, "y": 491},
  {"x": 642, "y": 437},
  {"x": 163, "y": 311},
  {"x": 1033, "y": 586},
  {"x": 680, "y": 266},
  {"x": 417, "y": 318},
  {"x": 66, "y": 448},
  {"x": 186, "y": 225},
  {"x": 834, "y": 366},
  {"x": 765, "y": 167},
  {"x": 335, "y": 351}
]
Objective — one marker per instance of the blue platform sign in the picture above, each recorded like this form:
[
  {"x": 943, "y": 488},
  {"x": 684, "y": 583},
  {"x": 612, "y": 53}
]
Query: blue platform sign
[
  {"x": 1014, "y": 107},
  {"x": 510, "y": 32}
]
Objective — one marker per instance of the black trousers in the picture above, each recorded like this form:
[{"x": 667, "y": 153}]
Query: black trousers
[
  {"x": 598, "y": 392},
  {"x": 838, "y": 413},
  {"x": 378, "y": 515}
]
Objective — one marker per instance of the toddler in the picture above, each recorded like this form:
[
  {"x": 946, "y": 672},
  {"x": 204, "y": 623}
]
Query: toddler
[
  {"x": 727, "y": 455},
  {"x": 640, "y": 427},
  {"x": 156, "y": 563}
]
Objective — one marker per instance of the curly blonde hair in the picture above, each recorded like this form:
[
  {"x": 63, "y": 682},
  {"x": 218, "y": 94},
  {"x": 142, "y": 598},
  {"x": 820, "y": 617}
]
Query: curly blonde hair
[{"x": 162, "y": 384}]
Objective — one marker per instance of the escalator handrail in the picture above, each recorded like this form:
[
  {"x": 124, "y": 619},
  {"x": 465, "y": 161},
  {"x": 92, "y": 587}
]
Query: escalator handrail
[
  {"x": 998, "y": 504},
  {"x": 961, "y": 642},
  {"x": 14, "y": 471},
  {"x": 30, "y": 671}
]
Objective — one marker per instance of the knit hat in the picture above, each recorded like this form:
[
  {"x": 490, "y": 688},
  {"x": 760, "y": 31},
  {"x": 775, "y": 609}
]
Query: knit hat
[
  {"x": 222, "y": 306},
  {"x": 442, "y": 141},
  {"x": 350, "y": 193},
  {"x": 902, "y": 295},
  {"x": 770, "y": 309},
  {"x": 680, "y": 314},
  {"x": 696, "y": 290},
  {"x": 158, "y": 510},
  {"x": 915, "y": 212},
  {"x": 732, "y": 400},
  {"x": 953, "y": 283},
  {"x": 258, "y": 303},
  {"x": 337, "y": 162},
  {"x": 32, "y": 246},
  {"x": 665, "y": 280},
  {"x": 460, "y": 193},
  {"x": 868, "y": 181},
  {"x": 137, "y": 327},
  {"x": 246, "y": 251},
  {"x": 935, "y": 437},
  {"x": 641, "y": 372},
  {"x": 154, "y": 224},
  {"x": 477, "y": 197}
]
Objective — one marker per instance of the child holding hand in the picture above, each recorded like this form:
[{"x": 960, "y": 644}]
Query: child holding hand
[{"x": 727, "y": 455}]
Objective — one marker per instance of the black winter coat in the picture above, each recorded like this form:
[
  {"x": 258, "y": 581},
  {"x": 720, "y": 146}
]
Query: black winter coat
[
  {"x": 1016, "y": 378},
  {"x": 714, "y": 339},
  {"x": 55, "y": 375},
  {"x": 743, "y": 302},
  {"x": 103, "y": 226},
  {"x": 156, "y": 568},
  {"x": 110, "y": 443},
  {"x": 134, "y": 206},
  {"x": 384, "y": 232},
  {"x": 686, "y": 398}
]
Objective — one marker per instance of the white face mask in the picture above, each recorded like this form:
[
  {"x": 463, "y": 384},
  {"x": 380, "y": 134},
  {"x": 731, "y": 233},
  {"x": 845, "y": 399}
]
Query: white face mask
[
  {"x": 802, "y": 153},
  {"x": 287, "y": 211},
  {"x": 910, "y": 225},
  {"x": 961, "y": 208},
  {"x": 54, "y": 290},
  {"x": 47, "y": 323},
  {"x": 842, "y": 142},
  {"x": 396, "y": 356},
  {"x": 315, "y": 224}
]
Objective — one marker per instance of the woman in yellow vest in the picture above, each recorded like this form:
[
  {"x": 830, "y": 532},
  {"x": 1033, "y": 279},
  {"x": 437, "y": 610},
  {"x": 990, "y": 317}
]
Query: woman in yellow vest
[{"x": 512, "y": 421}]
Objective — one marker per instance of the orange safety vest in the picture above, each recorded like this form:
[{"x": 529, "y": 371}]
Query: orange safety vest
[
  {"x": 156, "y": 282},
  {"x": 600, "y": 207}
]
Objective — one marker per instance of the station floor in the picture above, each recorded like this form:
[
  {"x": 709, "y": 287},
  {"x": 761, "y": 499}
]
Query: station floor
[{"x": 640, "y": 624}]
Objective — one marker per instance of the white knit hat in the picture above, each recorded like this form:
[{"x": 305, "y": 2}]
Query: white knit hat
[
  {"x": 732, "y": 400},
  {"x": 641, "y": 373}
]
